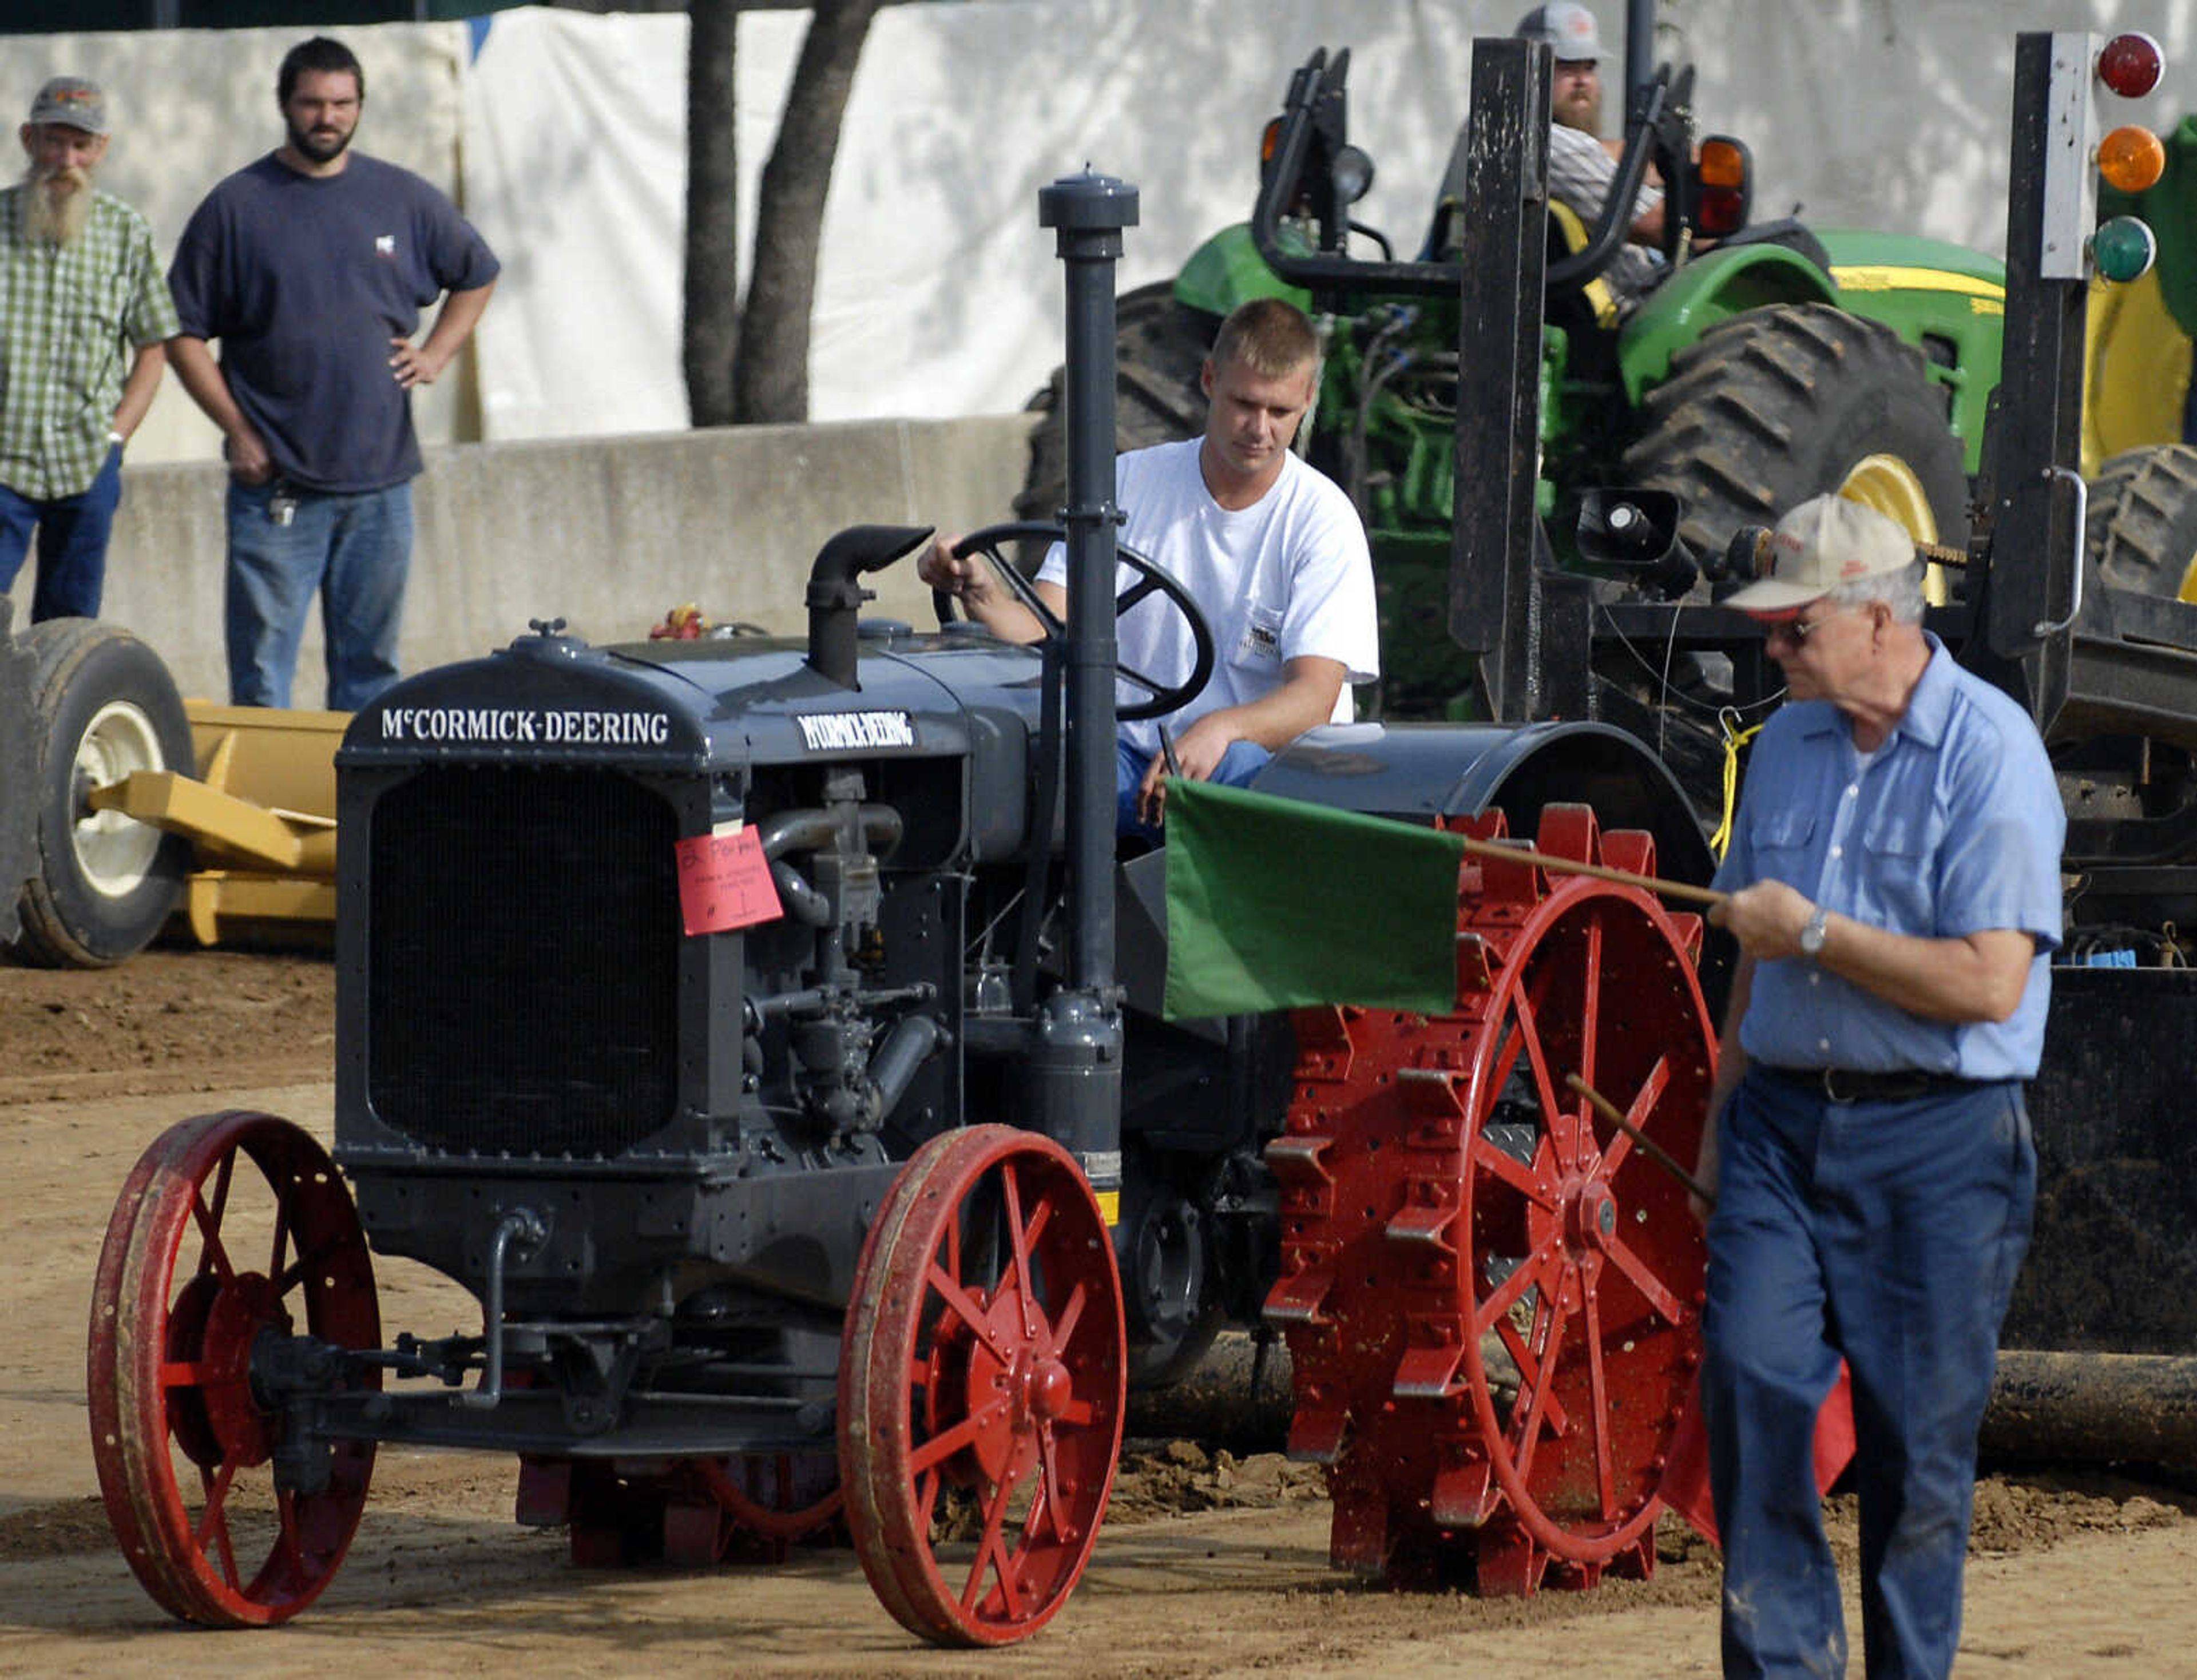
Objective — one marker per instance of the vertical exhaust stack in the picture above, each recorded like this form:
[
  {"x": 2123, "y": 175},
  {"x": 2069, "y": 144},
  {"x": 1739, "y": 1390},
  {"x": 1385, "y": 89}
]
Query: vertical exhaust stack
[
  {"x": 1074, "y": 1060},
  {"x": 835, "y": 598}
]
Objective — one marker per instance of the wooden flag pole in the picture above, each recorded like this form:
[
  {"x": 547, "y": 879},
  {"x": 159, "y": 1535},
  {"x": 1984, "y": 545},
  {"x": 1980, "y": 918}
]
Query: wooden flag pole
[
  {"x": 1507, "y": 854},
  {"x": 1655, "y": 1152}
]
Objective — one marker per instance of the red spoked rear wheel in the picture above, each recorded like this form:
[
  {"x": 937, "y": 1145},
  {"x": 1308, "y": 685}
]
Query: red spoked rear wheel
[
  {"x": 981, "y": 1387},
  {"x": 688, "y": 1512},
  {"x": 756, "y": 1507},
  {"x": 774, "y": 1496},
  {"x": 231, "y": 1226},
  {"x": 1492, "y": 1305}
]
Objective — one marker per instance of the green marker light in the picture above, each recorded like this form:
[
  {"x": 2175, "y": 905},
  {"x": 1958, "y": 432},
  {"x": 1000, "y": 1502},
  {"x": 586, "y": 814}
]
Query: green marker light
[{"x": 2123, "y": 249}]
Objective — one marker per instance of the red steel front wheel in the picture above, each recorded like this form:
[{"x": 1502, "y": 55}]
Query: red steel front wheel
[
  {"x": 231, "y": 1226},
  {"x": 982, "y": 1381}
]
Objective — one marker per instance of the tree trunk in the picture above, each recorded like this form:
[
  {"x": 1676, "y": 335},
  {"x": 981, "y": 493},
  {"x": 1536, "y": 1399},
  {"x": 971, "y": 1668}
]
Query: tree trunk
[
  {"x": 710, "y": 335},
  {"x": 770, "y": 372}
]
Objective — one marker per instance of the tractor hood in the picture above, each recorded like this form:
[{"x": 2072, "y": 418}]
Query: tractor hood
[{"x": 689, "y": 707}]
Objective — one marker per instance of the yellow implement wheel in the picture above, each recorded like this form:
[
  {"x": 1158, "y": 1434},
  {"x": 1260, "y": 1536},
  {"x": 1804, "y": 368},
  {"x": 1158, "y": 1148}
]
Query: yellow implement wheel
[{"x": 1887, "y": 483}]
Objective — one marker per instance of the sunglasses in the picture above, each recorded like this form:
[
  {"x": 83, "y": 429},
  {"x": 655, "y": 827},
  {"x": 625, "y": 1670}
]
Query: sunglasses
[{"x": 1797, "y": 630}]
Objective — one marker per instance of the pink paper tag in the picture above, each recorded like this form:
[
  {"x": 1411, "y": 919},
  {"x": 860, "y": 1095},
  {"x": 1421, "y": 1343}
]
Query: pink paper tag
[{"x": 724, "y": 883}]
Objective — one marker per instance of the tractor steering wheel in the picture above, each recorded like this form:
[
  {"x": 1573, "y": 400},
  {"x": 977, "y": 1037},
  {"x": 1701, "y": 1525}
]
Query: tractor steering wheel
[{"x": 1160, "y": 697}]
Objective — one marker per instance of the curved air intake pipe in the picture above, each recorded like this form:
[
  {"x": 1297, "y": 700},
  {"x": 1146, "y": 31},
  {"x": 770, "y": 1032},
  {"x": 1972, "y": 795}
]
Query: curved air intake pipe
[{"x": 835, "y": 598}]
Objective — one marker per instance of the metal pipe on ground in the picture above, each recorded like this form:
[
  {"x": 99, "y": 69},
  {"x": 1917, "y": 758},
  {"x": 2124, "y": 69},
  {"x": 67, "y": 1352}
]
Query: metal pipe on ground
[
  {"x": 2094, "y": 1408},
  {"x": 2046, "y": 1407}
]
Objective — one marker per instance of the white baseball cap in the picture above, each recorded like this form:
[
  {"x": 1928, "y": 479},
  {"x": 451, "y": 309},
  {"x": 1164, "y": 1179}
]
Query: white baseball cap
[
  {"x": 1566, "y": 27},
  {"x": 1825, "y": 541}
]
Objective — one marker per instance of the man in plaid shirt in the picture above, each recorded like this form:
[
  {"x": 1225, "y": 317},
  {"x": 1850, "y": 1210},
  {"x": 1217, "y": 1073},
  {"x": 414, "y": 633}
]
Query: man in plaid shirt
[
  {"x": 1582, "y": 165},
  {"x": 84, "y": 314}
]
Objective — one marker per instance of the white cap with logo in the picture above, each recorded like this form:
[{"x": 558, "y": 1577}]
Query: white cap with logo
[
  {"x": 1825, "y": 541},
  {"x": 1566, "y": 27}
]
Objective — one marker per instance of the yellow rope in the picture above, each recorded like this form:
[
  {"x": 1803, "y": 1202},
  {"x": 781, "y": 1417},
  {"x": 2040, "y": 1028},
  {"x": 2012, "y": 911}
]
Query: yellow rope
[{"x": 1735, "y": 737}]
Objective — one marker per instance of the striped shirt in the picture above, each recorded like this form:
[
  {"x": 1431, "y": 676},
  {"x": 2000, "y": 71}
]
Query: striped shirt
[
  {"x": 72, "y": 320},
  {"x": 1580, "y": 174}
]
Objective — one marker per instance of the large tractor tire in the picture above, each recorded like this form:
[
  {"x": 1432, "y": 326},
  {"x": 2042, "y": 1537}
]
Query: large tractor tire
[
  {"x": 2142, "y": 530},
  {"x": 1776, "y": 405},
  {"x": 103, "y": 706},
  {"x": 1160, "y": 346}
]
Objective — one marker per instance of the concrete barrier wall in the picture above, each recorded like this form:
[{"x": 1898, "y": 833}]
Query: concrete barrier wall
[{"x": 608, "y": 534}]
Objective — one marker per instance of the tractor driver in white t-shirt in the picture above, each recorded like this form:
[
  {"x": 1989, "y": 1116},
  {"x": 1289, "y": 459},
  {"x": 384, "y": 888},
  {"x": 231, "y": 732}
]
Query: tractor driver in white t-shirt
[{"x": 1270, "y": 549}]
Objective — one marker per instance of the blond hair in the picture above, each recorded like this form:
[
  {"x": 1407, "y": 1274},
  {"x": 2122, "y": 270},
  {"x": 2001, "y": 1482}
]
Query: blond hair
[{"x": 1271, "y": 336}]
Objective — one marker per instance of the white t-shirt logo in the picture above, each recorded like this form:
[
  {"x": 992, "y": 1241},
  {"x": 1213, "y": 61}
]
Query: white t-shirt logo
[{"x": 385, "y": 244}]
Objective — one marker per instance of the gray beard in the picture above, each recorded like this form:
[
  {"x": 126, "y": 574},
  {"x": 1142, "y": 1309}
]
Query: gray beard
[{"x": 51, "y": 218}]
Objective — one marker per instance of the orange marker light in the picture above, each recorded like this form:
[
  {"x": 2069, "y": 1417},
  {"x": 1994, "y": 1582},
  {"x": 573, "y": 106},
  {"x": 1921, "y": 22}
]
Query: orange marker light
[
  {"x": 2131, "y": 158},
  {"x": 1724, "y": 164},
  {"x": 1723, "y": 173}
]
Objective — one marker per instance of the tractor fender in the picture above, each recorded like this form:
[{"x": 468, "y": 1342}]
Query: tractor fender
[
  {"x": 1228, "y": 270},
  {"x": 1419, "y": 771},
  {"x": 1709, "y": 289}
]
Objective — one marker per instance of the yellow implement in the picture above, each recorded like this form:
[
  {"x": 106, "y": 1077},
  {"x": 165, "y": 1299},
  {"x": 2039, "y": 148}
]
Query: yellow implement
[{"x": 260, "y": 815}]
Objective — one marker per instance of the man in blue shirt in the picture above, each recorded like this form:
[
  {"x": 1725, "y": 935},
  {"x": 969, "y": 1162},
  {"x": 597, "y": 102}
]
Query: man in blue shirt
[
  {"x": 311, "y": 267},
  {"x": 1895, "y": 894}
]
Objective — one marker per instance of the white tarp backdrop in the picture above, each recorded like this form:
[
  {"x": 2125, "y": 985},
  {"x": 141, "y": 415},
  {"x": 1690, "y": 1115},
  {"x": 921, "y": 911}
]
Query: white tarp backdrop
[{"x": 563, "y": 135}]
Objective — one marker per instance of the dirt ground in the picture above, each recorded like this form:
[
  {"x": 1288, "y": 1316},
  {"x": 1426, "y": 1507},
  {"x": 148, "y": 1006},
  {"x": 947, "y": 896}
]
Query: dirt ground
[{"x": 1210, "y": 1565}]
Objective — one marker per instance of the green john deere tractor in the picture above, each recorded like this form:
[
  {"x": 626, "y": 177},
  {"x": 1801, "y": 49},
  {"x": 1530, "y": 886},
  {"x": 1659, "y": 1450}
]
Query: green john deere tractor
[{"x": 1781, "y": 362}]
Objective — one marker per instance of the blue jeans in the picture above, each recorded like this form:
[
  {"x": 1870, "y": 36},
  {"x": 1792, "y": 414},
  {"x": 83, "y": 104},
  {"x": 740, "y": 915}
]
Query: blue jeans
[
  {"x": 73, "y": 532},
  {"x": 1889, "y": 1233},
  {"x": 355, "y": 550},
  {"x": 1242, "y": 761}
]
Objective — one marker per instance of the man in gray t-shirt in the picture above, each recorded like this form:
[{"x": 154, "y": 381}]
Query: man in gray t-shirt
[
  {"x": 310, "y": 268},
  {"x": 1581, "y": 164}
]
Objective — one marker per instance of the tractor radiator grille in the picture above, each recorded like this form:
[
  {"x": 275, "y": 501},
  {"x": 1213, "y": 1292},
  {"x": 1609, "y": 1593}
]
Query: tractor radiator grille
[{"x": 523, "y": 962}]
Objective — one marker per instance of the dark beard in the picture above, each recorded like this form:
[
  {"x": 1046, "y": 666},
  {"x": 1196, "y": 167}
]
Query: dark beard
[{"x": 309, "y": 145}]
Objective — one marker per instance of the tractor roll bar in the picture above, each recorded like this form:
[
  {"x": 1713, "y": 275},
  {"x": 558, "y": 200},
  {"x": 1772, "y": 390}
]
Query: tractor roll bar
[{"x": 1317, "y": 80}]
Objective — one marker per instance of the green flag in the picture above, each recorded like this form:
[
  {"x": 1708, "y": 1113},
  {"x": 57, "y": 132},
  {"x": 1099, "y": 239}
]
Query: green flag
[{"x": 1273, "y": 903}]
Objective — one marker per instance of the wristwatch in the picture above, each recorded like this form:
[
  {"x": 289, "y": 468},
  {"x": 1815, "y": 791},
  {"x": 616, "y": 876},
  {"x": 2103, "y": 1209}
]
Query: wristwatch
[{"x": 1811, "y": 936}]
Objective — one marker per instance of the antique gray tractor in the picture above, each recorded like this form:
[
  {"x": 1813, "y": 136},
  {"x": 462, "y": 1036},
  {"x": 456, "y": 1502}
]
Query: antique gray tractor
[{"x": 767, "y": 1034}]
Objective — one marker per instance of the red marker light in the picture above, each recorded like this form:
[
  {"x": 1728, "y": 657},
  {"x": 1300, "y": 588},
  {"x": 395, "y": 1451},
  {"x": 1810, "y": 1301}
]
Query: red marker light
[{"x": 2131, "y": 64}]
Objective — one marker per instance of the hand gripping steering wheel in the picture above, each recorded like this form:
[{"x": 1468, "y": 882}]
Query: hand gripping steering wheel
[{"x": 1162, "y": 698}]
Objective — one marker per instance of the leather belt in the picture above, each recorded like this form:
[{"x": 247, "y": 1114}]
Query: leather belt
[{"x": 1846, "y": 1085}]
